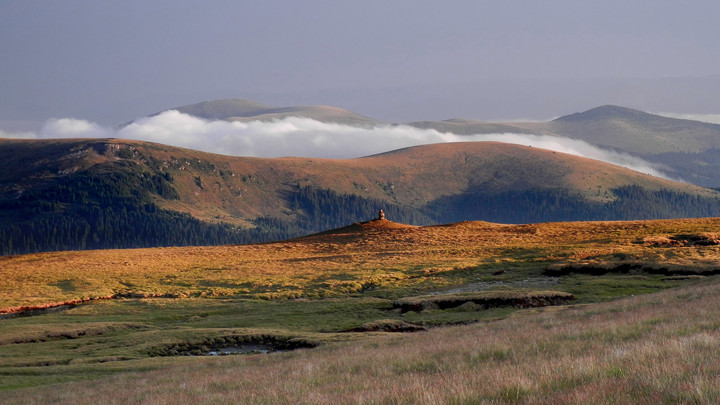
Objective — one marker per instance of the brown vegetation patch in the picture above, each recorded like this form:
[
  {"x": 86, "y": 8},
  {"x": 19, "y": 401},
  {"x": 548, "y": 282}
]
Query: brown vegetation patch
[
  {"x": 484, "y": 300},
  {"x": 686, "y": 240},
  {"x": 240, "y": 344},
  {"x": 30, "y": 310},
  {"x": 600, "y": 268},
  {"x": 361, "y": 227}
]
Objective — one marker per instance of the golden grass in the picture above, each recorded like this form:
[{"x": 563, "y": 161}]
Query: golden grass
[
  {"x": 584, "y": 354},
  {"x": 344, "y": 262}
]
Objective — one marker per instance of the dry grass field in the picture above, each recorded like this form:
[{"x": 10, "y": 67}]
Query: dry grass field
[
  {"x": 352, "y": 260},
  {"x": 162, "y": 304}
]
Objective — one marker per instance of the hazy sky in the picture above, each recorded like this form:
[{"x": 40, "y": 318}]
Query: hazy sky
[{"x": 113, "y": 61}]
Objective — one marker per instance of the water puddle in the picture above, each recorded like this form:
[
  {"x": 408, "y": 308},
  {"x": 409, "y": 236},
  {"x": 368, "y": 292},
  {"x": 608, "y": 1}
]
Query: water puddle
[{"x": 245, "y": 349}]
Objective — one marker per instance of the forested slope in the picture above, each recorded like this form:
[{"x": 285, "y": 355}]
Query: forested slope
[{"x": 99, "y": 194}]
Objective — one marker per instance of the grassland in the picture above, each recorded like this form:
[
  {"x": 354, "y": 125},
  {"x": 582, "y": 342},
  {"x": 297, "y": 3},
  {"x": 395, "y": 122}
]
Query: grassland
[
  {"x": 650, "y": 349},
  {"x": 338, "y": 291}
]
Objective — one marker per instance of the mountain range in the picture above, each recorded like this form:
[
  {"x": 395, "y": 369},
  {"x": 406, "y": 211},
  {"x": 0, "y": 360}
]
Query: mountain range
[
  {"x": 685, "y": 150},
  {"x": 113, "y": 193}
]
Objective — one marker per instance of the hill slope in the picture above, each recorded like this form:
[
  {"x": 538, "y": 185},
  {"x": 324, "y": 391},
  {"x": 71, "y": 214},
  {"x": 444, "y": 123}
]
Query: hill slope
[
  {"x": 129, "y": 311},
  {"x": 688, "y": 150},
  {"x": 82, "y": 194},
  {"x": 636, "y": 131},
  {"x": 609, "y": 126}
]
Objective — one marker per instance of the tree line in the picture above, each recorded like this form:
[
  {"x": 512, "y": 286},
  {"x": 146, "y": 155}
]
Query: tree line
[{"x": 115, "y": 210}]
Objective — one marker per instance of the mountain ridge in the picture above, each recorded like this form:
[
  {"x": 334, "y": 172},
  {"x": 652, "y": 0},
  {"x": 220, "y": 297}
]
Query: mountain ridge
[
  {"x": 606, "y": 111},
  {"x": 101, "y": 193},
  {"x": 686, "y": 149}
]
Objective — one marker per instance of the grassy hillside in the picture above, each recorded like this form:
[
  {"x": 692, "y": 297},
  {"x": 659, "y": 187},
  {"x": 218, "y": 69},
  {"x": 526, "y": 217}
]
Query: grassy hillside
[
  {"x": 350, "y": 291},
  {"x": 685, "y": 149},
  {"x": 337, "y": 263},
  {"x": 98, "y": 194},
  {"x": 637, "y": 132},
  {"x": 608, "y": 126}
]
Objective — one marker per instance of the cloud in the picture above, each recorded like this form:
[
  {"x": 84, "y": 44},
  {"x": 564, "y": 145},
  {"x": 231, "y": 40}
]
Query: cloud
[
  {"x": 710, "y": 118},
  {"x": 17, "y": 135},
  {"x": 296, "y": 136},
  {"x": 292, "y": 136},
  {"x": 74, "y": 128}
]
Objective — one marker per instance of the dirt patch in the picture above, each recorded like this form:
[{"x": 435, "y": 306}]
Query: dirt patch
[
  {"x": 484, "y": 300},
  {"x": 600, "y": 268},
  {"x": 388, "y": 325}
]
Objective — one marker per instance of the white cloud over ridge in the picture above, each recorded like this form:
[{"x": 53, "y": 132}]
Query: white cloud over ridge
[
  {"x": 17, "y": 135},
  {"x": 709, "y": 118},
  {"x": 296, "y": 136}
]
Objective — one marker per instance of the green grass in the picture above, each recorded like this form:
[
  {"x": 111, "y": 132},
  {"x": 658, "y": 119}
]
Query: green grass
[
  {"x": 654, "y": 348},
  {"x": 103, "y": 338},
  {"x": 608, "y": 287}
]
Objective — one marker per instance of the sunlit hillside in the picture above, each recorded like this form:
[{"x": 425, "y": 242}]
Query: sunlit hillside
[{"x": 99, "y": 194}]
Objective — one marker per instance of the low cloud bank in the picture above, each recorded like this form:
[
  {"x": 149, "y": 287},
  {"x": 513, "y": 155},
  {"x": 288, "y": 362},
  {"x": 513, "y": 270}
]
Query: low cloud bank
[
  {"x": 295, "y": 136},
  {"x": 709, "y": 118}
]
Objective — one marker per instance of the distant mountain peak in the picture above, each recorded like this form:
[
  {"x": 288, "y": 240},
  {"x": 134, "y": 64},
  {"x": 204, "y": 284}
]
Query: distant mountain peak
[
  {"x": 605, "y": 112},
  {"x": 239, "y": 109},
  {"x": 224, "y": 108}
]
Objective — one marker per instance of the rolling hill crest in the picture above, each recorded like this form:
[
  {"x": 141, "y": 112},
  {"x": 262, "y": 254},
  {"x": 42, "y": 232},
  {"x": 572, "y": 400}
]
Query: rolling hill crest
[
  {"x": 113, "y": 193},
  {"x": 686, "y": 149}
]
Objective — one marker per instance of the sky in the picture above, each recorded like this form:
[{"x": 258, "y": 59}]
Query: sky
[{"x": 106, "y": 63}]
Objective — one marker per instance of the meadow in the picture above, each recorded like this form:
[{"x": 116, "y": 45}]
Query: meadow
[
  {"x": 649, "y": 349},
  {"x": 338, "y": 299}
]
